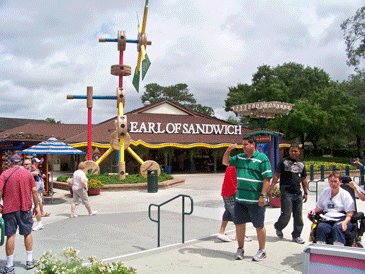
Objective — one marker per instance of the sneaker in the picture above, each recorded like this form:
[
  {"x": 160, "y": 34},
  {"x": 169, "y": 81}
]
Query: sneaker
[
  {"x": 239, "y": 254},
  {"x": 260, "y": 255},
  {"x": 8, "y": 270},
  {"x": 248, "y": 239},
  {"x": 223, "y": 238},
  {"x": 298, "y": 240},
  {"x": 30, "y": 264},
  {"x": 37, "y": 227},
  {"x": 74, "y": 216},
  {"x": 93, "y": 213},
  {"x": 279, "y": 233}
]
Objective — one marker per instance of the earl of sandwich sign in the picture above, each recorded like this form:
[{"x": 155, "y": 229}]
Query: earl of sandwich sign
[{"x": 184, "y": 128}]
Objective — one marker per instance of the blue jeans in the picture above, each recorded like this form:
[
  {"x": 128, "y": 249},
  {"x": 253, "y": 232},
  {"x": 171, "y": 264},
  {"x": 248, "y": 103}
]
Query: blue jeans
[
  {"x": 291, "y": 203},
  {"x": 332, "y": 230}
]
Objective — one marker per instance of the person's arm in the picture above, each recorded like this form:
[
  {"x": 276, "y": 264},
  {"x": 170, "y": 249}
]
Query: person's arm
[
  {"x": 84, "y": 182},
  {"x": 315, "y": 211},
  {"x": 345, "y": 222},
  {"x": 356, "y": 188},
  {"x": 265, "y": 189},
  {"x": 227, "y": 154},
  {"x": 35, "y": 199},
  {"x": 274, "y": 181},
  {"x": 305, "y": 189}
]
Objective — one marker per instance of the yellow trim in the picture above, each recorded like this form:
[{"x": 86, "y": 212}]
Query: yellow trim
[{"x": 83, "y": 144}]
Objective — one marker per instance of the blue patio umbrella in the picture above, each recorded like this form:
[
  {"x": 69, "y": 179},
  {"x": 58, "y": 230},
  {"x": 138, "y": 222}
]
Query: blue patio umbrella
[{"x": 52, "y": 146}]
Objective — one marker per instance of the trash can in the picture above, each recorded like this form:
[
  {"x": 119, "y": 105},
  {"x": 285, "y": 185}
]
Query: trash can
[{"x": 152, "y": 181}]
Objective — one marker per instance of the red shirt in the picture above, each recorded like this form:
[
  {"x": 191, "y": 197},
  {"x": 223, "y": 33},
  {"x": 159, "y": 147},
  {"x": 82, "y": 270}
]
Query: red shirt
[
  {"x": 17, "y": 192},
  {"x": 229, "y": 186}
]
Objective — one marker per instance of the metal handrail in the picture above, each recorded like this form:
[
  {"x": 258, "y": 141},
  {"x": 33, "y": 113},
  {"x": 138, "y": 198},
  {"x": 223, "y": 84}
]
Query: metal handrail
[
  {"x": 183, "y": 215},
  {"x": 316, "y": 182}
]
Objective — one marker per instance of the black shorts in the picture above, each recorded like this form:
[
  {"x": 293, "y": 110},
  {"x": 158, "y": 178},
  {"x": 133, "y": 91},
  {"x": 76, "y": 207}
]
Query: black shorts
[
  {"x": 249, "y": 213},
  {"x": 21, "y": 219}
]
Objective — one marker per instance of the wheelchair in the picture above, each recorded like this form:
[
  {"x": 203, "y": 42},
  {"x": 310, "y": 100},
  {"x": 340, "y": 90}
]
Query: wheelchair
[{"x": 353, "y": 237}]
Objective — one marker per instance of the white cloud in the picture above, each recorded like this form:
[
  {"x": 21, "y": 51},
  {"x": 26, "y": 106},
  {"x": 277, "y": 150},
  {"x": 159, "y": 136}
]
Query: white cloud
[{"x": 49, "y": 49}]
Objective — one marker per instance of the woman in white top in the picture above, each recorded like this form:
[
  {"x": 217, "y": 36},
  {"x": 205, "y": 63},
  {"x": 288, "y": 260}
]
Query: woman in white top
[{"x": 337, "y": 207}]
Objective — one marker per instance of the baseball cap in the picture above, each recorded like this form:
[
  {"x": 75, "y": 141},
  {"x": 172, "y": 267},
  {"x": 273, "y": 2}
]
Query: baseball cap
[
  {"x": 35, "y": 160},
  {"x": 15, "y": 159}
]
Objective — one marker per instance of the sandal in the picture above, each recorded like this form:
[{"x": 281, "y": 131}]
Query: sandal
[{"x": 46, "y": 214}]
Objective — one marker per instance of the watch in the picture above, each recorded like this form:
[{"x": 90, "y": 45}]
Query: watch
[{"x": 262, "y": 195}]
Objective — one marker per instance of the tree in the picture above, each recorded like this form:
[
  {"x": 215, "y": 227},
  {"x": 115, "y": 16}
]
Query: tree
[
  {"x": 354, "y": 33},
  {"x": 52, "y": 121},
  {"x": 288, "y": 82},
  {"x": 178, "y": 93},
  {"x": 355, "y": 87}
]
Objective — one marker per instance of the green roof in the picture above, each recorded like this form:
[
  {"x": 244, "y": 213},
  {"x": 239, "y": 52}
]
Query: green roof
[{"x": 264, "y": 132}]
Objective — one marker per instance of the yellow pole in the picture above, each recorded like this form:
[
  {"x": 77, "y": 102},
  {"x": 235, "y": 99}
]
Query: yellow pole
[
  {"x": 106, "y": 154},
  {"x": 122, "y": 172},
  {"x": 135, "y": 156}
]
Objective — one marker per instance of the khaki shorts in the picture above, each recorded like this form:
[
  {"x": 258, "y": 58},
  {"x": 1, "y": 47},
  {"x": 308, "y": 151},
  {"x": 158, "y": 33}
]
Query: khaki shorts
[{"x": 80, "y": 194}]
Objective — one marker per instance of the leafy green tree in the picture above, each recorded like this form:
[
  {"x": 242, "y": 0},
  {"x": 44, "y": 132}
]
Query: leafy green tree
[
  {"x": 355, "y": 87},
  {"x": 288, "y": 82},
  {"x": 354, "y": 32},
  {"x": 52, "y": 121},
  {"x": 178, "y": 93}
]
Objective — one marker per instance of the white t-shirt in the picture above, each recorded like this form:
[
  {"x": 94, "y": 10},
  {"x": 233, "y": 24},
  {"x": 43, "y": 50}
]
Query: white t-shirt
[
  {"x": 341, "y": 202},
  {"x": 76, "y": 180}
]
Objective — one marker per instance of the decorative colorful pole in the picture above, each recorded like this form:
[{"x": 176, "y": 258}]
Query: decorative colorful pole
[{"x": 89, "y": 104}]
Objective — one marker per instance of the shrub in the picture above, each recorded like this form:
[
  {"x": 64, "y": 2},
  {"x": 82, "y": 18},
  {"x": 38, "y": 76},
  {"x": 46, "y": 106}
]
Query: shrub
[
  {"x": 49, "y": 263},
  {"x": 94, "y": 183},
  {"x": 62, "y": 178},
  {"x": 276, "y": 192}
]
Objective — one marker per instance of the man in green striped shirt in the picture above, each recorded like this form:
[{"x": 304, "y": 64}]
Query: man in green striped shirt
[{"x": 253, "y": 181}]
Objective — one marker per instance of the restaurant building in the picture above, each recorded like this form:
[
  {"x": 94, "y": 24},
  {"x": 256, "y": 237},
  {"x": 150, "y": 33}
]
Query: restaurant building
[{"x": 180, "y": 140}]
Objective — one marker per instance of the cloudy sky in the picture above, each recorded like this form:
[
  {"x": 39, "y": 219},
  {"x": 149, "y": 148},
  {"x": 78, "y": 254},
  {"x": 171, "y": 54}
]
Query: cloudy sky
[{"x": 50, "y": 48}]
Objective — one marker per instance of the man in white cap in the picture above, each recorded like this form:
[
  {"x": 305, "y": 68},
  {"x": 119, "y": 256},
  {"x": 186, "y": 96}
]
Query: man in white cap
[{"x": 17, "y": 188}]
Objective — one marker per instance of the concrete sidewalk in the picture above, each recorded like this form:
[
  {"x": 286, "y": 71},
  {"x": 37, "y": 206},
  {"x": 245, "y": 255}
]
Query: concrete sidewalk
[{"x": 122, "y": 231}]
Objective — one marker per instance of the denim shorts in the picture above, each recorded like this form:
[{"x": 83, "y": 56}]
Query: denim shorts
[
  {"x": 249, "y": 213},
  {"x": 21, "y": 219},
  {"x": 229, "y": 202}
]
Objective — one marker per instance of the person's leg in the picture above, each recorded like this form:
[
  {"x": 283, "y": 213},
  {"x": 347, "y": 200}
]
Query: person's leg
[
  {"x": 240, "y": 234},
  {"x": 261, "y": 237},
  {"x": 339, "y": 237},
  {"x": 323, "y": 231},
  {"x": 28, "y": 242},
  {"x": 73, "y": 210},
  {"x": 223, "y": 227},
  {"x": 297, "y": 216},
  {"x": 9, "y": 245},
  {"x": 9, "y": 249},
  {"x": 286, "y": 209}
]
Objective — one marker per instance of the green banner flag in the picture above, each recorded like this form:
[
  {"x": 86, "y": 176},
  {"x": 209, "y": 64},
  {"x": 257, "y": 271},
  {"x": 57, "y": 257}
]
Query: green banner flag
[
  {"x": 135, "y": 81},
  {"x": 145, "y": 65}
]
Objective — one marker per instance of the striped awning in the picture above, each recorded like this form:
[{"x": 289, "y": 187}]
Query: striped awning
[{"x": 52, "y": 146}]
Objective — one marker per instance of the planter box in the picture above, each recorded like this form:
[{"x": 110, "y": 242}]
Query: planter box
[
  {"x": 93, "y": 191},
  {"x": 275, "y": 201},
  {"x": 90, "y": 192}
]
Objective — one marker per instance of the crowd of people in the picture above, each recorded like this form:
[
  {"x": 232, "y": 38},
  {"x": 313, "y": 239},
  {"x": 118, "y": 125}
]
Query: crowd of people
[
  {"x": 245, "y": 193},
  {"x": 21, "y": 192},
  {"x": 248, "y": 181}
]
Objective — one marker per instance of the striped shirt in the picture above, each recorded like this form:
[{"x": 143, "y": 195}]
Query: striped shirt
[{"x": 251, "y": 173}]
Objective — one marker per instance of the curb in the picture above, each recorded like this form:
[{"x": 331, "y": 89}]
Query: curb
[{"x": 125, "y": 187}]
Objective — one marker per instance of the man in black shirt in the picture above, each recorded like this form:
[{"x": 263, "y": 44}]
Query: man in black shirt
[{"x": 293, "y": 176}]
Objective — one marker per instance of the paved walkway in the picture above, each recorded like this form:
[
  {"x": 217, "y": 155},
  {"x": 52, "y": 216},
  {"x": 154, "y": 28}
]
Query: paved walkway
[{"x": 122, "y": 230}]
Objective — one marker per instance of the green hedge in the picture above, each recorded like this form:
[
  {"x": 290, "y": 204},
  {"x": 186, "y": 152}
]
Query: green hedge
[{"x": 114, "y": 179}]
